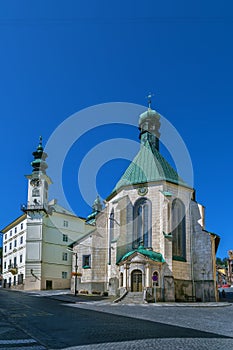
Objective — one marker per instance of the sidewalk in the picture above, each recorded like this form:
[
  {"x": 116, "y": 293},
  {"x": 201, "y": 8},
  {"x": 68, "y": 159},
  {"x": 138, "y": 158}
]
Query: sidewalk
[{"x": 67, "y": 297}]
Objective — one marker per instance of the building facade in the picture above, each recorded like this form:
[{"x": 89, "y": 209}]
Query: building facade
[
  {"x": 150, "y": 238},
  {"x": 35, "y": 254}
]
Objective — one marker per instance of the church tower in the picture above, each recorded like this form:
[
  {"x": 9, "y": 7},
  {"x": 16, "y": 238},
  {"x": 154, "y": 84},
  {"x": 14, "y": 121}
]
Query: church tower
[
  {"x": 36, "y": 208},
  {"x": 38, "y": 181}
]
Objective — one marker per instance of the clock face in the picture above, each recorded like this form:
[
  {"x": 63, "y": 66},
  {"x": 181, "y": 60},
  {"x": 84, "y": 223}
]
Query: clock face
[
  {"x": 142, "y": 191},
  {"x": 35, "y": 182}
]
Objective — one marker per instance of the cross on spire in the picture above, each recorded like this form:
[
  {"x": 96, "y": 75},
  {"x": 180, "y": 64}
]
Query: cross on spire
[{"x": 149, "y": 97}]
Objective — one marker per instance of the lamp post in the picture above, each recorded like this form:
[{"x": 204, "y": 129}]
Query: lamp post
[{"x": 76, "y": 269}]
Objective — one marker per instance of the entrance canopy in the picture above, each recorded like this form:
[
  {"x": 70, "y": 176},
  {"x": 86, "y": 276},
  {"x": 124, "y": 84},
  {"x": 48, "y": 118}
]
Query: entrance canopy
[{"x": 143, "y": 251}]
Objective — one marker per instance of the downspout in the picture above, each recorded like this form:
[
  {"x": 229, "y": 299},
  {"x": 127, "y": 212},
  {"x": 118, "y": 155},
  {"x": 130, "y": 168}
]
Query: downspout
[{"x": 191, "y": 251}]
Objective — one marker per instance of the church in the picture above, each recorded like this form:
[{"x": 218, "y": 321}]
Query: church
[{"x": 149, "y": 241}]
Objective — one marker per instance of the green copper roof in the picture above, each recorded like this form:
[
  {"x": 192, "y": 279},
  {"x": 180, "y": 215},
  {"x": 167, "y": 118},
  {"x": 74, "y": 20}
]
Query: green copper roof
[
  {"x": 148, "y": 253},
  {"x": 39, "y": 163},
  {"x": 148, "y": 166}
]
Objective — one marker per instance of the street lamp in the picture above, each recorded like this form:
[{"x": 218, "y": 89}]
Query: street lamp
[{"x": 76, "y": 269}]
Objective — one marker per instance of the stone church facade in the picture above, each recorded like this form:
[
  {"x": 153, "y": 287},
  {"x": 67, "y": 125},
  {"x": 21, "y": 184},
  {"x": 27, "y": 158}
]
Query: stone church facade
[{"x": 150, "y": 238}]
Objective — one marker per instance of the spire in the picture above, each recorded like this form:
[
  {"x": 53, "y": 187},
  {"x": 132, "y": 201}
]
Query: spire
[
  {"x": 97, "y": 206},
  {"x": 39, "y": 163},
  {"x": 149, "y": 97},
  {"x": 149, "y": 124}
]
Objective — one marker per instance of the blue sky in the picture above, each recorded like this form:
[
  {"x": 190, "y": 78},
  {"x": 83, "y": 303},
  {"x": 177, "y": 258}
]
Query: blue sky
[{"x": 58, "y": 57}]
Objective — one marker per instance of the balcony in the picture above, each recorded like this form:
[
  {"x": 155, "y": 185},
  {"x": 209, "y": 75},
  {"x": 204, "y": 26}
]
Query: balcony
[{"x": 33, "y": 207}]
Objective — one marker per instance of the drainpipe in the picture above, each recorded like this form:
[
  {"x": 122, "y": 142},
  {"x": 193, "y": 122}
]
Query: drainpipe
[{"x": 191, "y": 251}]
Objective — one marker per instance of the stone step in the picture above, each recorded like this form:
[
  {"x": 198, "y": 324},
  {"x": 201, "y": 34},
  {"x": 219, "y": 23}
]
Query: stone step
[{"x": 133, "y": 298}]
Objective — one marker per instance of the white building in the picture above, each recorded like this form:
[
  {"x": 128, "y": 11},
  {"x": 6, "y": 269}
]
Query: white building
[{"x": 35, "y": 254}]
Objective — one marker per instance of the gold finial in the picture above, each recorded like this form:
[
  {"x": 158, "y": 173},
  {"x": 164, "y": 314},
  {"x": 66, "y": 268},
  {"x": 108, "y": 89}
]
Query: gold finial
[{"x": 149, "y": 97}]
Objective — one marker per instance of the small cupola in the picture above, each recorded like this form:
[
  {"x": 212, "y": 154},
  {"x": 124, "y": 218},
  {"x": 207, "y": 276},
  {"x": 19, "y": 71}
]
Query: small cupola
[{"x": 97, "y": 207}]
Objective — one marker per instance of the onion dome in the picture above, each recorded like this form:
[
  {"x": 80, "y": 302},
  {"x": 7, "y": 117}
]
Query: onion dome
[
  {"x": 39, "y": 163},
  {"x": 149, "y": 124}
]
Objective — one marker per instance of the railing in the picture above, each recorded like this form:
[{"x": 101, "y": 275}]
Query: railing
[{"x": 33, "y": 207}]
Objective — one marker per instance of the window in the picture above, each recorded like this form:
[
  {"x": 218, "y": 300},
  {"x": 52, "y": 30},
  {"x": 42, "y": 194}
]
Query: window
[
  {"x": 142, "y": 223},
  {"x": 15, "y": 243},
  {"x": 21, "y": 240},
  {"x": 15, "y": 229},
  {"x": 20, "y": 278},
  {"x": 35, "y": 192},
  {"x": 10, "y": 247},
  {"x": 15, "y": 261},
  {"x": 64, "y": 274},
  {"x": 21, "y": 258},
  {"x": 65, "y": 238},
  {"x": 4, "y": 265},
  {"x": 65, "y": 223},
  {"x": 64, "y": 256},
  {"x": 178, "y": 230},
  {"x": 5, "y": 237},
  {"x": 10, "y": 232},
  {"x": 86, "y": 261},
  {"x": 21, "y": 226},
  {"x": 121, "y": 279},
  {"x": 5, "y": 249}
]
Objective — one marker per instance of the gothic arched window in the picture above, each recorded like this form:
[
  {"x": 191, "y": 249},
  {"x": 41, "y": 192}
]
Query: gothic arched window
[
  {"x": 178, "y": 230},
  {"x": 121, "y": 279},
  {"x": 142, "y": 223}
]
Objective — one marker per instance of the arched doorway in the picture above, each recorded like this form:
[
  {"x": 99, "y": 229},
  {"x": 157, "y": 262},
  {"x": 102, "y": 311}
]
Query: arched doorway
[{"x": 136, "y": 281}]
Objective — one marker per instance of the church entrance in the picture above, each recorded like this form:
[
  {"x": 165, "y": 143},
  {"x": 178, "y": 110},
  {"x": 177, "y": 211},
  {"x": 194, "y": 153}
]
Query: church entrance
[{"x": 136, "y": 281}]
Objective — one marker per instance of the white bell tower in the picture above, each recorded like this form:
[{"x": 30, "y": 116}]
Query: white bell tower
[
  {"x": 36, "y": 209},
  {"x": 38, "y": 182}
]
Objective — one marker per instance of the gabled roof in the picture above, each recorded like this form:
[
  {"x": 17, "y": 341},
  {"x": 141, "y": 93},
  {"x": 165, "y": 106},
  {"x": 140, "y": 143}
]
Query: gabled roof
[
  {"x": 148, "y": 166},
  {"x": 148, "y": 253}
]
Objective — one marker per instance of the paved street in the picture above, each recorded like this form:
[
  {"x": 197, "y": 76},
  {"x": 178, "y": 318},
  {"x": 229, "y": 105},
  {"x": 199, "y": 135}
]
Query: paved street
[{"x": 55, "y": 322}]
